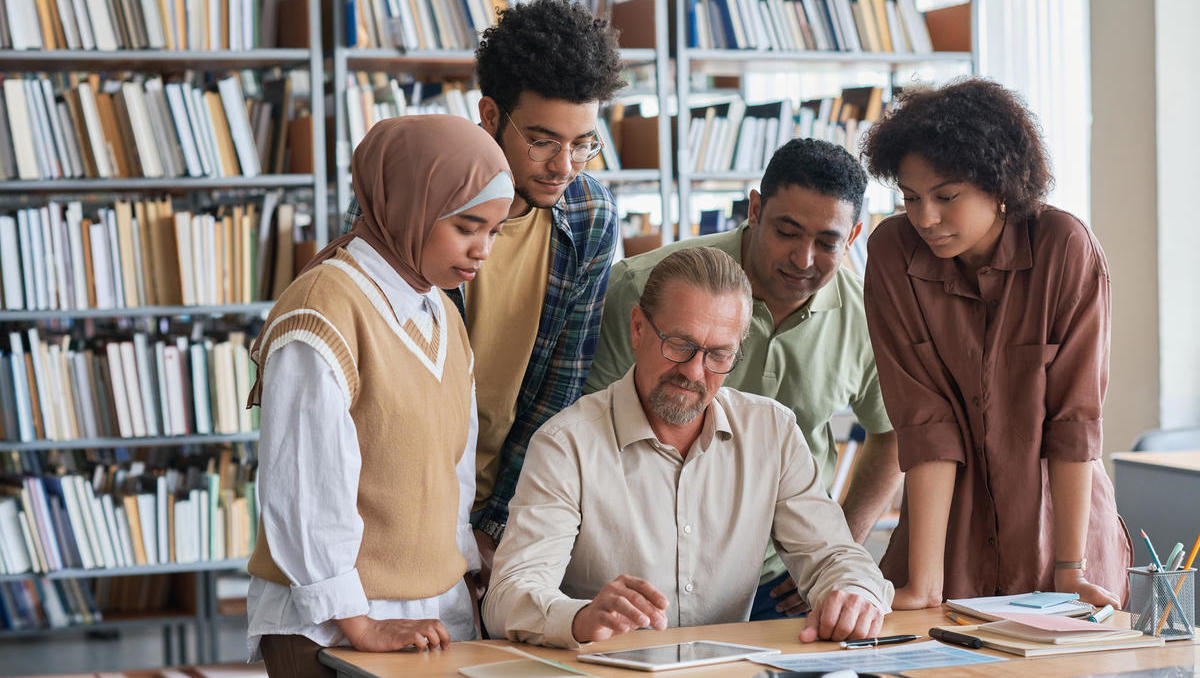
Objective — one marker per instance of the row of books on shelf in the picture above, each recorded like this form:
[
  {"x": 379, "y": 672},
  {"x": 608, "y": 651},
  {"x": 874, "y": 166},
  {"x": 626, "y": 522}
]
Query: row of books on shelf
[
  {"x": 126, "y": 516},
  {"x": 67, "y": 126},
  {"x": 147, "y": 253},
  {"x": 375, "y": 96},
  {"x": 34, "y": 603},
  {"x": 64, "y": 389},
  {"x": 138, "y": 24},
  {"x": 740, "y": 137},
  {"x": 419, "y": 24},
  {"x": 798, "y": 25}
]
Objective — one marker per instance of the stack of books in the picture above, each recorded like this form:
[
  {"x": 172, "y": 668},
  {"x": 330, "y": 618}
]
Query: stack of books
[
  {"x": 419, "y": 24},
  {"x": 888, "y": 26}
]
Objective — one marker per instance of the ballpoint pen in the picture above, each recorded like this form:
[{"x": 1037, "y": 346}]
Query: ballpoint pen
[
  {"x": 955, "y": 638},
  {"x": 872, "y": 642},
  {"x": 959, "y": 619}
]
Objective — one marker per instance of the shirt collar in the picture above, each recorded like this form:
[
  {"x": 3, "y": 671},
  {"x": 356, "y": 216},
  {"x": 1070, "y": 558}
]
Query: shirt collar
[
  {"x": 405, "y": 301},
  {"x": 1013, "y": 253},
  {"x": 632, "y": 426}
]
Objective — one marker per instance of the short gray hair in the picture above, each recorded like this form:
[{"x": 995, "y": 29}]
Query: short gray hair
[{"x": 705, "y": 268}]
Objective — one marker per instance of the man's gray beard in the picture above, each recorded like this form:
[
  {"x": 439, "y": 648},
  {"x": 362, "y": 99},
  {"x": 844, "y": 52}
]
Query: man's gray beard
[{"x": 672, "y": 409}]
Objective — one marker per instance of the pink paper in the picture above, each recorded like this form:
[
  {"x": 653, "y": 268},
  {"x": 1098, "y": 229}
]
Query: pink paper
[{"x": 1051, "y": 622}]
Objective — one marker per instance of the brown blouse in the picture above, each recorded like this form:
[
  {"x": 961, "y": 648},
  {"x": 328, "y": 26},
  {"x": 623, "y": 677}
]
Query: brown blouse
[{"x": 998, "y": 380}]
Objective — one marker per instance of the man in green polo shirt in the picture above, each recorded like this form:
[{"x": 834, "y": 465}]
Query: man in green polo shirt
[{"x": 808, "y": 346}]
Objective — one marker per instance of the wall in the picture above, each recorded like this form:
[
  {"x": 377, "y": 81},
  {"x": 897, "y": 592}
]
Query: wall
[
  {"x": 1124, "y": 199},
  {"x": 1177, "y": 103}
]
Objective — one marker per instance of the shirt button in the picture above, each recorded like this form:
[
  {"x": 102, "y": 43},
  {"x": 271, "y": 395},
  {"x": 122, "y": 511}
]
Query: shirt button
[
  {"x": 991, "y": 541},
  {"x": 687, "y": 529},
  {"x": 689, "y": 587}
]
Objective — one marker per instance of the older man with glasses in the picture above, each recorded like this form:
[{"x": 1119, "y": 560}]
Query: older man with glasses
[{"x": 650, "y": 503}]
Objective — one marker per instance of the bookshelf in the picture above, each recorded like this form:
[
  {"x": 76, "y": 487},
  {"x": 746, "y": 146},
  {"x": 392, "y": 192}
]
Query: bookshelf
[
  {"x": 185, "y": 191},
  {"x": 432, "y": 65},
  {"x": 844, "y": 63}
]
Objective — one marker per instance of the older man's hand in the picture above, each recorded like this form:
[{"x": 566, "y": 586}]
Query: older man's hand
[
  {"x": 842, "y": 616},
  {"x": 624, "y": 604}
]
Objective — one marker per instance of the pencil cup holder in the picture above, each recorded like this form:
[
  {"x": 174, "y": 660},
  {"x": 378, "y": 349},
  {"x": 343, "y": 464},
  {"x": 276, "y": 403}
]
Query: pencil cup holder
[{"x": 1163, "y": 604}]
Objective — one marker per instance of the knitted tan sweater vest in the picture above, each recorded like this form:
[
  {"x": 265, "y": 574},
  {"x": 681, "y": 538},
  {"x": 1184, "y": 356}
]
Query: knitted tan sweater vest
[{"x": 411, "y": 424}]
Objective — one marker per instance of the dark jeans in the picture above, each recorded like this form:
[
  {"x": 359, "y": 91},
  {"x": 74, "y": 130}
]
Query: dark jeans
[
  {"x": 293, "y": 657},
  {"x": 764, "y": 604}
]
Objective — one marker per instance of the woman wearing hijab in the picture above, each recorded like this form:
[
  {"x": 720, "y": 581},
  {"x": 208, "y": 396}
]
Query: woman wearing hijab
[{"x": 367, "y": 447}]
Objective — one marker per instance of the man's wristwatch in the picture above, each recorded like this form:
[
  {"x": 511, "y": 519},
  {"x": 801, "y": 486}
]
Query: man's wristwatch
[{"x": 493, "y": 529}]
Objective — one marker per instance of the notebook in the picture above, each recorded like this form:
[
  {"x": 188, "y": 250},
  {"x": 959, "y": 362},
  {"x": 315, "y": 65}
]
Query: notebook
[
  {"x": 1031, "y": 648},
  {"x": 994, "y": 608},
  {"x": 1057, "y": 630}
]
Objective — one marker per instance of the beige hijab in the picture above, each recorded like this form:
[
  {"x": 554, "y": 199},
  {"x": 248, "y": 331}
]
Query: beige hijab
[{"x": 410, "y": 172}]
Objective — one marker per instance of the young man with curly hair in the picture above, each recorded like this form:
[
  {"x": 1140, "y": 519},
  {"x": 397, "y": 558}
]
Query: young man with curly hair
[
  {"x": 533, "y": 314},
  {"x": 808, "y": 345}
]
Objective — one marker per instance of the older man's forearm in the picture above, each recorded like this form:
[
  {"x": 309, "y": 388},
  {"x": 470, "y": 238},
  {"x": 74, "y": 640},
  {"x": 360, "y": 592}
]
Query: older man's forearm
[{"x": 874, "y": 483}]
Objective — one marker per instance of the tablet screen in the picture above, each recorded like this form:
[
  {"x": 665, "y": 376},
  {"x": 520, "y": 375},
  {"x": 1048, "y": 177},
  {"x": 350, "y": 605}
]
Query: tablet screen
[{"x": 681, "y": 653}]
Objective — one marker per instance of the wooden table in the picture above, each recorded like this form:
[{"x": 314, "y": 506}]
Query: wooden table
[{"x": 776, "y": 634}]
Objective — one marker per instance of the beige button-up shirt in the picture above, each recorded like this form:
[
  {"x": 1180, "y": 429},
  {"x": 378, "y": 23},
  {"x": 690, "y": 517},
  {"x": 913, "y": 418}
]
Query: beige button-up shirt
[{"x": 599, "y": 496}]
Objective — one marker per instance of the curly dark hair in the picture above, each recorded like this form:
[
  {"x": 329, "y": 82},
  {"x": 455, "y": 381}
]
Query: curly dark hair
[
  {"x": 824, "y": 167},
  {"x": 555, "y": 48},
  {"x": 971, "y": 130}
]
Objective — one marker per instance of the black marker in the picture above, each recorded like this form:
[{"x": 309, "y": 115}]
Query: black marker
[{"x": 955, "y": 638}]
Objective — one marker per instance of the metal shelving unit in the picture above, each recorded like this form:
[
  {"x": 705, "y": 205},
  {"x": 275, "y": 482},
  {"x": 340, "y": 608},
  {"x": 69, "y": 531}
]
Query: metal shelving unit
[
  {"x": 460, "y": 64},
  {"x": 736, "y": 62},
  {"x": 203, "y": 619}
]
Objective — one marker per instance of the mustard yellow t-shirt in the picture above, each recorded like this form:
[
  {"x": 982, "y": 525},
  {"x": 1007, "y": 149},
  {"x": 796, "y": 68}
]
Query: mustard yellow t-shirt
[{"x": 504, "y": 305}]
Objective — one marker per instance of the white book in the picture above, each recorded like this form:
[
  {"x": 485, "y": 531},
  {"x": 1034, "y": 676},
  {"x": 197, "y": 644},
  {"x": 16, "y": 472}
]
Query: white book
[
  {"x": 117, "y": 384},
  {"x": 21, "y": 126},
  {"x": 184, "y": 247},
  {"x": 915, "y": 28},
  {"x": 106, "y": 542},
  {"x": 63, "y": 256},
  {"x": 83, "y": 393},
  {"x": 125, "y": 534},
  {"x": 239, "y": 125},
  {"x": 156, "y": 38},
  {"x": 133, "y": 390},
  {"x": 185, "y": 532},
  {"x": 106, "y": 510},
  {"x": 114, "y": 255},
  {"x": 58, "y": 397},
  {"x": 95, "y": 132},
  {"x": 50, "y": 258},
  {"x": 201, "y": 256},
  {"x": 102, "y": 25},
  {"x": 43, "y": 526},
  {"x": 22, "y": 21},
  {"x": 16, "y": 556},
  {"x": 213, "y": 39},
  {"x": 21, "y": 388},
  {"x": 149, "y": 520},
  {"x": 44, "y": 139},
  {"x": 183, "y": 128},
  {"x": 208, "y": 127},
  {"x": 25, "y": 238},
  {"x": 36, "y": 352},
  {"x": 241, "y": 367},
  {"x": 200, "y": 392},
  {"x": 37, "y": 558},
  {"x": 143, "y": 136},
  {"x": 59, "y": 133},
  {"x": 200, "y": 499},
  {"x": 73, "y": 150},
  {"x": 161, "y": 497},
  {"x": 87, "y": 535},
  {"x": 102, "y": 265},
  {"x": 161, "y": 129},
  {"x": 174, "y": 365},
  {"x": 164, "y": 394},
  {"x": 226, "y": 390},
  {"x": 199, "y": 131},
  {"x": 139, "y": 271},
  {"x": 56, "y": 613},
  {"x": 218, "y": 534},
  {"x": 33, "y": 226},
  {"x": 10, "y": 264},
  {"x": 66, "y": 13},
  {"x": 86, "y": 39},
  {"x": 146, "y": 380}
]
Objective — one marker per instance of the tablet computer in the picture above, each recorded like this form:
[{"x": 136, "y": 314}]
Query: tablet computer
[{"x": 675, "y": 655}]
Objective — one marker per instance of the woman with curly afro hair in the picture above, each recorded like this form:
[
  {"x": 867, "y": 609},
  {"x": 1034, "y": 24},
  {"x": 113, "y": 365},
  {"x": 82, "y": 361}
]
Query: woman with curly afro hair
[{"x": 989, "y": 316}]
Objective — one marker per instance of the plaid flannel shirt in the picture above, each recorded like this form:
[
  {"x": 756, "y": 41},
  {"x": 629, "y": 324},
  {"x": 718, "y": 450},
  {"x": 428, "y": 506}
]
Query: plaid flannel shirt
[{"x": 582, "y": 245}]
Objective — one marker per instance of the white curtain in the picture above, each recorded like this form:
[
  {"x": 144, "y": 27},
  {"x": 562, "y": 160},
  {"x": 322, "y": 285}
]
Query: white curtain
[{"x": 1040, "y": 49}]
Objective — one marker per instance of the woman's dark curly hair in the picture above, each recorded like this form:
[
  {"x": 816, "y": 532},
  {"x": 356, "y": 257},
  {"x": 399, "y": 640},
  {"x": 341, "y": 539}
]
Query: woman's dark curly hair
[
  {"x": 971, "y": 130},
  {"x": 555, "y": 48}
]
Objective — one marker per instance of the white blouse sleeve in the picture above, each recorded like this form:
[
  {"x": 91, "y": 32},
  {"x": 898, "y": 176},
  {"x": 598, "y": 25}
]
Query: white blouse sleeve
[
  {"x": 466, "y": 492},
  {"x": 308, "y": 470}
]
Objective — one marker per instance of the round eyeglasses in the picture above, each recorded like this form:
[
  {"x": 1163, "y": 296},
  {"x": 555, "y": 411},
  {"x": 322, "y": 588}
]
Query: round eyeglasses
[
  {"x": 680, "y": 350},
  {"x": 544, "y": 150}
]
